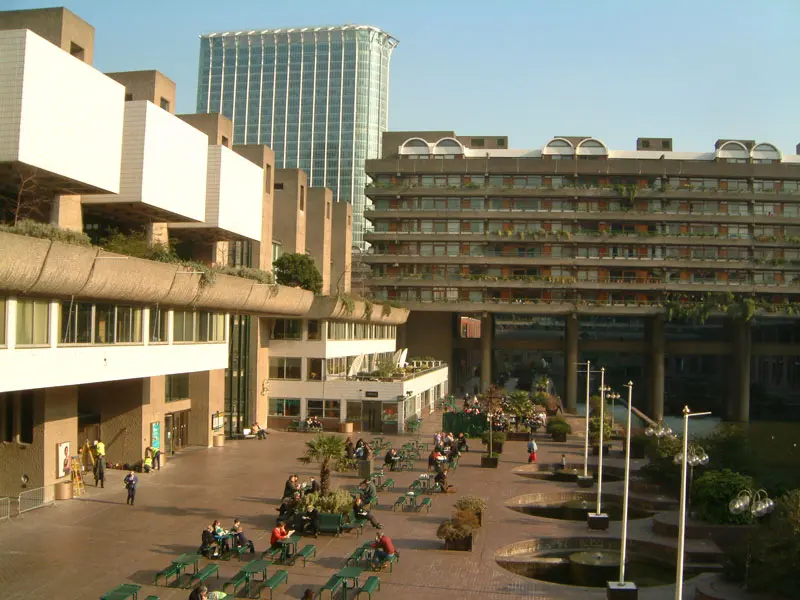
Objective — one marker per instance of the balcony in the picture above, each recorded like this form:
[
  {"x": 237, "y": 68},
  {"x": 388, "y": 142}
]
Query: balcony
[
  {"x": 61, "y": 121},
  {"x": 234, "y": 199},
  {"x": 164, "y": 166}
]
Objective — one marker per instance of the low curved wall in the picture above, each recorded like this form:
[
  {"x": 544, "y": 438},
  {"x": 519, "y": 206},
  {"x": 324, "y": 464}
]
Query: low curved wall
[
  {"x": 32, "y": 266},
  {"x": 725, "y": 536},
  {"x": 330, "y": 307}
]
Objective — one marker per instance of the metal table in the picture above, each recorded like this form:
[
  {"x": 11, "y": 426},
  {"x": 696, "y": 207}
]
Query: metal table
[{"x": 253, "y": 568}]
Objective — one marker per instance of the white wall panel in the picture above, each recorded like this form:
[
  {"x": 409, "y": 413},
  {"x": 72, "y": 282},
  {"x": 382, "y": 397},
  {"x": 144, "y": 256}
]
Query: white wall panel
[
  {"x": 164, "y": 163},
  {"x": 329, "y": 349},
  {"x": 240, "y": 194},
  {"x": 29, "y": 368},
  {"x": 69, "y": 116}
]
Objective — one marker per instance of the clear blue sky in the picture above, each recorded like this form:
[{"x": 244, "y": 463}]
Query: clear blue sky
[{"x": 694, "y": 70}]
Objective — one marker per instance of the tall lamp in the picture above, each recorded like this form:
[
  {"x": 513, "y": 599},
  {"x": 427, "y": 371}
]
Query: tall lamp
[
  {"x": 586, "y": 480},
  {"x": 758, "y": 504},
  {"x": 598, "y": 519}
]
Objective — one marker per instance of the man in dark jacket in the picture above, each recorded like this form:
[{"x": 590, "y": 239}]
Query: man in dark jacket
[
  {"x": 199, "y": 593},
  {"x": 131, "y": 481}
]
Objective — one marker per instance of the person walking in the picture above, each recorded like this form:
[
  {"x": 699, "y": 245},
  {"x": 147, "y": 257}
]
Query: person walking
[
  {"x": 100, "y": 471},
  {"x": 532, "y": 449},
  {"x": 131, "y": 481}
]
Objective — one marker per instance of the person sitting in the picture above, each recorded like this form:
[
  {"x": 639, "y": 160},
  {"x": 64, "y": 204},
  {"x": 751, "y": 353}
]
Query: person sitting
[
  {"x": 208, "y": 545},
  {"x": 367, "y": 452},
  {"x": 309, "y": 521},
  {"x": 370, "y": 492},
  {"x": 279, "y": 534},
  {"x": 360, "y": 448},
  {"x": 199, "y": 593},
  {"x": 222, "y": 537},
  {"x": 292, "y": 486},
  {"x": 391, "y": 459},
  {"x": 313, "y": 486},
  {"x": 349, "y": 450},
  {"x": 362, "y": 513},
  {"x": 461, "y": 443},
  {"x": 384, "y": 548},
  {"x": 432, "y": 462},
  {"x": 308, "y": 594},
  {"x": 147, "y": 465},
  {"x": 239, "y": 538},
  {"x": 289, "y": 507},
  {"x": 440, "y": 481},
  {"x": 257, "y": 431}
]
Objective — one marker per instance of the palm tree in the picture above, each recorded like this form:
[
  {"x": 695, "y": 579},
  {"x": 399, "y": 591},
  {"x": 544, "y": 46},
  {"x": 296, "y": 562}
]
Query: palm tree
[{"x": 323, "y": 449}]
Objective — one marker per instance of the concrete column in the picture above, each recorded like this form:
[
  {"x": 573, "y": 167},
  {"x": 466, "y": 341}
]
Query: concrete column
[
  {"x": 259, "y": 370},
  {"x": 207, "y": 391},
  {"x": 571, "y": 364},
  {"x": 656, "y": 330},
  {"x": 158, "y": 233},
  {"x": 739, "y": 410},
  {"x": 487, "y": 333},
  {"x": 65, "y": 212},
  {"x": 60, "y": 425}
]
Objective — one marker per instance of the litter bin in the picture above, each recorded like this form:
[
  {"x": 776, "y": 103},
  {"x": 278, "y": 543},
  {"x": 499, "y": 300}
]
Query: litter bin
[
  {"x": 63, "y": 490},
  {"x": 219, "y": 440},
  {"x": 345, "y": 427},
  {"x": 364, "y": 468}
]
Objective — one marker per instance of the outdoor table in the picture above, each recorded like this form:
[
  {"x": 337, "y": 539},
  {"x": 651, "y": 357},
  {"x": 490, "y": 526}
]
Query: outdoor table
[
  {"x": 369, "y": 551},
  {"x": 425, "y": 481},
  {"x": 378, "y": 477},
  {"x": 289, "y": 544},
  {"x": 412, "y": 498},
  {"x": 123, "y": 592},
  {"x": 350, "y": 574},
  {"x": 184, "y": 560},
  {"x": 253, "y": 568}
]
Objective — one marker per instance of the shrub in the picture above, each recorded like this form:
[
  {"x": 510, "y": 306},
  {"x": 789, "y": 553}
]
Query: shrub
[
  {"x": 498, "y": 437},
  {"x": 661, "y": 468},
  {"x": 470, "y": 504},
  {"x": 776, "y": 551},
  {"x": 298, "y": 270},
  {"x": 458, "y": 527},
  {"x": 337, "y": 501},
  {"x": 594, "y": 430},
  {"x": 713, "y": 491},
  {"x": 46, "y": 231},
  {"x": 558, "y": 425},
  {"x": 594, "y": 405},
  {"x": 247, "y": 273},
  {"x": 730, "y": 447}
]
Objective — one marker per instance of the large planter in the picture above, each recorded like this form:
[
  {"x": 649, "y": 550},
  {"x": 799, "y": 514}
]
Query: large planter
[
  {"x": 559, "y": 437},
  {"x": 488, "y": 462},
  {"x": 517, "y": 436},
  {"x": 461, "y": 544},
  {"x": 497, "y": 447}
]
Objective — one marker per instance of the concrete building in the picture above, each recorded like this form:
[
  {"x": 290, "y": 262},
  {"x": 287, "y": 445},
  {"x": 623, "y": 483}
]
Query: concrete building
[
  {"x": 98, "y": 345},
  {"x": 318, "y": 96},
  {"x": 319, "y": 220},
  {"x": 341, "y": 248},
  {"x": 332, "y": 364},
  {"x": 678, "y": 270}
]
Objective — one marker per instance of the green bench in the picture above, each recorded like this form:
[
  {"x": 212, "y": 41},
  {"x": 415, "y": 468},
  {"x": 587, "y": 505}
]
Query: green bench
[
  {"x": 151, "y": 598},
  {"x": 401, "y": 500},
  {"x": 426, "y": 503},
  {"x": 416, "y": 484},
  {"x": 353, "y": 522},
  {"x": 356, "y": 556},
  {"x": 332, "y": 585},
  {"x": 388, "y": 485},
  {"x": 205, "y": 573},
  {"x": 272, "y": 554},
  {"x": 239, "y": 550},
  {"x": 371, "y": 585},
  {"x": 329, "y": 523},
  {"x": 389, "y": 560},
  {"x": 125, "y": 590},
  {"x": 236, "y": 581},
  {"x": 305, "y": 553},
  {"x": 278, "y": 578},
  {"x": 170, "y": 571}
]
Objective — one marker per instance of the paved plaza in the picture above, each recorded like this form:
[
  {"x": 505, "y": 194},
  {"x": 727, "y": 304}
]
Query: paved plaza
[{"x": 82, "y": 548}]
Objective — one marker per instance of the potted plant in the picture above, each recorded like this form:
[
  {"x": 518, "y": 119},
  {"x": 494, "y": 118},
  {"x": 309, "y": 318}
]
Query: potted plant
[
  {"x": 520, "y": 405},
  {"x": 324, "y": 449},
  {"x": 332, "y": 508},
  {"x": 472, "y": 504},
  {"x": 559, "y": 429},
  {"x": 498, "y": 439},
  {"x": 490, "y": 460},
  {"x": 458, "y": 531},
  {"x": 594, "y": 435}
]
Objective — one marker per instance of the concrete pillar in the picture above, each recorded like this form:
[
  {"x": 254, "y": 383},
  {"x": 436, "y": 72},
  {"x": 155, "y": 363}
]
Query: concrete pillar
[
  {"x": 207, "y": 391},
  {"x": 65, "y": 212},
  {"x": 487, "y": 333},
  {"x": 656, "y": 371},
  {"x": 259, "y": 370},
  {"x": 158, "y": 233},
  {"x": 739, "y": 410},
  {"x": 60, "y": 425},
  {"x": 571, "y": 364}
]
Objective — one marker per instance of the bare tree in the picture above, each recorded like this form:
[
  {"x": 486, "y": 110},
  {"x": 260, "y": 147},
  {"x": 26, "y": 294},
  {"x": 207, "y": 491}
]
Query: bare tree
[{"x": 22, "y": 201}]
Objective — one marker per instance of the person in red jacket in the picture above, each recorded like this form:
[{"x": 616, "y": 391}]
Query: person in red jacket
[{"x": 384, "y": 548}]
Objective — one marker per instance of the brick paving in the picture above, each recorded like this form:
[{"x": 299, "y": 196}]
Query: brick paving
[{"x": 82, "y": 548}]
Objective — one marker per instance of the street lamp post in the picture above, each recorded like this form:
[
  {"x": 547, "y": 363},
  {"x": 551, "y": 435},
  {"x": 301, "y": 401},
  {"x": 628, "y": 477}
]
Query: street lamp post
[
  {"x": 759, "y": 504},
  {"x": 684, "y": 458},
  {"x": 586, "y": 480},
  {"x": 697, "y": 457},
  {"x": 622, "y": 589},
  {"x": 597, "y": 519}
]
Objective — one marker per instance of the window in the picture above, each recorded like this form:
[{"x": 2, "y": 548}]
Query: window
[
  {"x": 501, "y": 143},
  {"x": 2, "y": 322},
  {"x": 128, "y": 97},
  {"x": 278, "y": 186},
  {"x": 314, "y": 369},
  {"x": 129, "y": 325},
  {"x": 158, "y": 325},
  {"x": 314, "y": 330},
  {"x": 165, "y": 105},
  {"x": 302, "y": 197},
  {"x": 33, "y": 322},
  {"x": 76, "y": 51},
  {"x": 26, "y": 418},
  {"x": 226, "y": 142},
  {"x": 183, "y": 326},
  {"x": 285, "y": 368},
  {"x": 645, "y": 144},
  {"x": 327, "y": 210},
  {"x": 284, "y": 407},
  {"x": 326, "y": 409},
  {"x": 287, "y": 329},
  {"x": 277, "y": 251},
  {"x": 176, "y": 387},
  {"x": 104, "y": 324},
  {"x": 478, "y": 142},
  {"x": 212, "y": 327}
]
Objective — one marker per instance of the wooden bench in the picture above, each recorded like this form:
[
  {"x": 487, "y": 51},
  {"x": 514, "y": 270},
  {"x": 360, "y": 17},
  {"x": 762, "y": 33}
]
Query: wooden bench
[
  {"x": 399, "y": 502},
  {"x": 237, "y": 580},
  {"x": 272, "y": 554},
  {"x": 388, "y": 485},
  {"x": 167, "y": 573},
  {"x": 278, "y": 578},
  {"x": 332, "y": 585},
  {"x": 204, "y": 574},
  {"x": 426, "y": 503},
  {"x": 371, "y": 585},
  {"x": 305, "y": 553}
]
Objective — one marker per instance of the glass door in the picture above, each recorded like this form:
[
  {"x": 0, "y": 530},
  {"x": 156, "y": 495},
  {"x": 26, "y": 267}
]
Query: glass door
[{"x": 371, "y": 416}]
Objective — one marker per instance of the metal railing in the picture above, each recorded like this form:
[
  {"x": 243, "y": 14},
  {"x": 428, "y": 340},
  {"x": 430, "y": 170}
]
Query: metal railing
[
  {"x": 36, "y": 498},
  {"x": 5, "y": 508}
]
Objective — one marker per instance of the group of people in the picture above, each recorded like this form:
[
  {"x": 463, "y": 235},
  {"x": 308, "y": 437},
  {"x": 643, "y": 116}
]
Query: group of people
[
  {"x": 361, "y": 451},
  {"x": 216, "y": 540},
  {"x": 258, "y": 431},
  {"x": 313, "y": 423}
]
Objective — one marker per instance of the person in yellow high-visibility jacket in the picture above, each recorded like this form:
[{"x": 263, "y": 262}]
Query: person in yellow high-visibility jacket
[{"x": 99, "y": 448}]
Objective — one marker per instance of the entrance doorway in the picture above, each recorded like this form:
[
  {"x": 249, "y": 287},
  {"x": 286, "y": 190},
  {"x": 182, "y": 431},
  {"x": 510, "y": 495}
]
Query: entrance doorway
[
  {"x": 371, "y": 415},
  {"x": 176, "y": 426}
]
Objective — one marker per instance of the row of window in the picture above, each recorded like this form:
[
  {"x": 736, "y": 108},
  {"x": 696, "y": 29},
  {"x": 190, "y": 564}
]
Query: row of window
[
  {"x": 317, "y": 369},
  {"x": 648, "y": 205},
  {"x": 104, "y": 324},
  {"x": 290, "y": 407},
  {"x": 292, "y": 329},
  {"x": 565, "y": 229},
  {"x": 589, "y": 182}
]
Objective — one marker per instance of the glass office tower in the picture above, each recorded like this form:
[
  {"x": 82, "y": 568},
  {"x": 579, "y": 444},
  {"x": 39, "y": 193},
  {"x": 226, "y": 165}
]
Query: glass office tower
[{"x": 318, "y": 96}]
